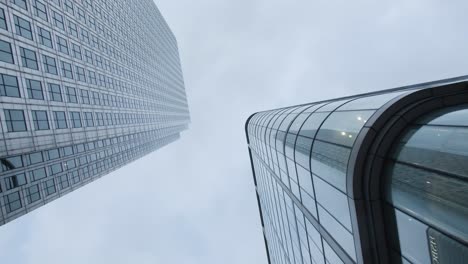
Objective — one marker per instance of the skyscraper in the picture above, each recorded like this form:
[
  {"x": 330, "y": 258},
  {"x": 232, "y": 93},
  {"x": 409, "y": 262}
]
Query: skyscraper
[
  {"x": 86, "y": 87},
  {"x": 371, "y": 178}
]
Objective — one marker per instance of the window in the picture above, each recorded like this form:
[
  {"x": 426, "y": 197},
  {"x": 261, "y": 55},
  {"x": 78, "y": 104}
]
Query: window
[
  {"x": 96, "y": 98},
  {"x": 67, "y": 151},
  {"x": 15, "y": 181},
  {"x": 35, "y": 158},
  {"x": 21, "y": 3},
  {"x": 89, "y": 119},
  {"x": 40, "y": 120},
  {"x": 80, "y": 73},
  {"x": 53, "y": 154},
  {"x": 9, "y": 86},
  {"x": 55, "y": 169},
  {"x": 62, "y": 45},
  {"x": 75, "y": 119},
  {"x": 34, "y": 89},
  {"x": 100, "y": 119},
  {"x": 33, "y": 194},
  {"x": 84, "y": 35},
  {"x": 58, "y": 20},
  {"x": 68, "y": 6},
  {"x": 23, "y": 27},
  {"x": 55, "y": 93},
  {"x": 2, "y": 19},
  {"x": 6, "y": 54},
  {"x": 71, "y": 94},
  {"x": 50, "y": 65},
  {"x": 81, "y": 14},
  {"x": 76, "y": 50},
  {"x": 12, "y": 202},
  {"x": 49, "y": 187},
  {"x": 89, "y": 56},
  {"x": 85, "y": 97},
  {"x": 63, "y": 181},
  {"x": 29, "y": 59},
  {"x": 92, "y": 77},
  {"x": 45, "y": 37},
  {"x": 109, "y": 119},
  {"x": 40, "y": 10},
  {"x": 67, "y": 70},
  {"x": 57, "y": 2},
  {"x": 73, "y": 29},
  {"x": 60, "y": 120},
  {"x": 15, "y": 120}
]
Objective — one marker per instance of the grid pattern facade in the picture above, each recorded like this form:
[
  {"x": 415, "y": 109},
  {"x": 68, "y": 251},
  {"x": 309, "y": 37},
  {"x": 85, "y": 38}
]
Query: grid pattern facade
[
  {"x": 304, "y": 159},
  {"x": 86, "y": 87}
]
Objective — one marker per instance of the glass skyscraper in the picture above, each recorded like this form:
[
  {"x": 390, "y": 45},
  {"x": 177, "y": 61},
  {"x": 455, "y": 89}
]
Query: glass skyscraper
[
  {"x": 372, "y": 178},
  {"x": 86, "y": 86}
]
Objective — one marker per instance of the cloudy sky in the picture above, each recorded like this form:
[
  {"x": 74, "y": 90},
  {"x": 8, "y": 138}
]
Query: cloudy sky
[{"x": 193, "y": 201}]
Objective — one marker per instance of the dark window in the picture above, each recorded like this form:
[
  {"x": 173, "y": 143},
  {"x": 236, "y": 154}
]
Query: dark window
[
  {"x": 40, "y": 120},
  {"x": 67, "y": 70},
  {"x": 45, "y": 37},
  {"x": 75, "y": 119},
  {"x": 62, "y": 45},
  {"x": 58, "y": 20},
  {"x": 9, "y": 86},
  {"x": 12, "y": 163},
  {"x": 71, "y": 95},
  {"x": 33, "y": 194},
  {"x": 15, "y": 181},
  {"x": 21, "y": 3},
  {"x": 49, "y": 187},
  {"x": 23, "y": 27},
  {"x": 80, "y": 73},
  {"x": 40, "y": 10},
  {"x": 12, "y": 202},
  {"x": 3, "y": 19},
  {"x": 60, "y": 120},
  {"x": 85, "y": 97},
  {"x": 15, "y": 120},
  {"x": 50, "y": 65},
  {"x": 76, "y": 50},
  {"x": 35, "y": 158},
  {"x": 54, "y": 92},
  {"x": 34, "y": 89},
  {"x": 29, "y": 59},
  {"x": 89, "y": 119},
  {"x": 6, "y": 54}
]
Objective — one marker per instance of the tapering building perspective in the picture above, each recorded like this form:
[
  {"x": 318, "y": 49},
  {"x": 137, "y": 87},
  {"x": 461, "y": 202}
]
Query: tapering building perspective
[
  {"x": 86, "y": 87},
  {"x": 372, "y": 178}
]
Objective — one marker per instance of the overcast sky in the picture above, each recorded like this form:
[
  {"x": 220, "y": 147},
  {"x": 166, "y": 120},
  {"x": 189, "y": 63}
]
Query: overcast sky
[{"x": 194, "y": 201}]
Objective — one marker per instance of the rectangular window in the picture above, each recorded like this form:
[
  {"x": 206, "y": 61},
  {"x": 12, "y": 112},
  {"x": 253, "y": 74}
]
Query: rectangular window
[
  {"x": 96, "y": 100},
  {"x": 100, "y": 119},
  {"x": 63, "y": 180},
  {"x": 21, "y": 3},
  {"x": 23, "y": 27},
  {"x": 40, "y": 120},
  {"x": 84, "y": 35},
  {"x": 6, "y": 54},
  {"x": 33, "y": 194},
  {"x": 80, "y": 73},
  {"x": 60, "y": 120},
  {"x": 75, "y": 119},
  {"x": 76, "y": 50},
  {"x": 54, "y": 93},
  {"x": 58, "y": 20},
  {"x": 57, "y": 2},
  {"x": 92, "y": 77},
  {"x": 12, "y": 163},
  {"x": 81, "y": 14},
  {"x": 50, "y": 65},
  {"x": 15, "y": 120},
  {"x": 71, "y": 94},
  {"x": 89, "y": 119},
  {"x": 73, "y": 29},
  {"x": 9, "y": 86},
  {"x": 68, "y": 6},
  {"x": 12, "y": 202},
  {"x": 35, "y": 158},
  {"x": 34, "y": 89},
  {"x": 88, "y": 56},
  {"x": 55, "y": 169},
  {"x": 109, "y": 119},
  {"x": 62, "y": 45},
  {"x": 38, "y": 174},
  {"x": 49, "y": 187},
  {"x": 29, "y": 59},
  {"x": 53, "y": 153},
  {"x": 45, "y": 37},
  {"x": 67, "y": 70},
  {"x": 15, "y": 181},
  {"x": 40, "y": 10},
  {"x": 3, "y": 23},
  {"x": 67, "y": 151},
  {"x": 85, "y": 97}
]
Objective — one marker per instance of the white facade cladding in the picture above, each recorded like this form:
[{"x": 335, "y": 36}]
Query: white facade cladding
[
  {"x": 86, "y": 87},
  {"x": 371, "y": 178}
]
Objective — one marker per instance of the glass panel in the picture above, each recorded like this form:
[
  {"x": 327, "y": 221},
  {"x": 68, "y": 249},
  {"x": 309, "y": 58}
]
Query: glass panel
[
  {"x": 312, "y": 124},
  {"x": 334, "y": 201},
  {"x": 330, "y": 162},
  {"x": 371, "y": 102}
]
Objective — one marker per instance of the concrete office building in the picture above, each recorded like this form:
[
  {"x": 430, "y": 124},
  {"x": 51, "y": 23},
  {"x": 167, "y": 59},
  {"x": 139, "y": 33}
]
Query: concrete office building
[
  {"x": 86, "y": 87},
  {"x": 372, "y": 178}
]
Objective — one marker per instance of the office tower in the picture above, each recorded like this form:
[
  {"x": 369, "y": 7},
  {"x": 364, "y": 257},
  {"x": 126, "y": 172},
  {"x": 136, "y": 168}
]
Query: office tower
[
  {"x": 372, "y": 178},
  {"x": 86, "y": 86}
]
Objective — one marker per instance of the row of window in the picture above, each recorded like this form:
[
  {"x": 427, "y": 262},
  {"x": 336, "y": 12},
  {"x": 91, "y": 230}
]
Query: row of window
[{"x": 16, "y": 122}]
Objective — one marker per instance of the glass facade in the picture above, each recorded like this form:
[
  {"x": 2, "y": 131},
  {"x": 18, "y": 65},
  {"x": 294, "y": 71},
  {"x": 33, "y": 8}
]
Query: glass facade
[
  {"x": 86, "y": 87},
  {"x": 315, "y": 168}
]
